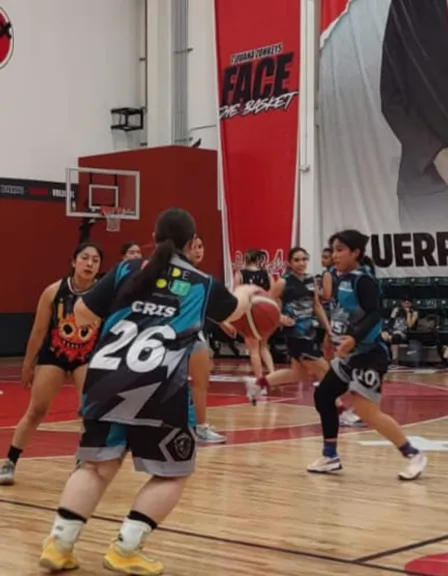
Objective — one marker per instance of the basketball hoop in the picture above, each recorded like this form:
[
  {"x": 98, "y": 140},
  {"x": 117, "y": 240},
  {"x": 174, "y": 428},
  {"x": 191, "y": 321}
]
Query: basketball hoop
[{"x": 113, "y": 217}]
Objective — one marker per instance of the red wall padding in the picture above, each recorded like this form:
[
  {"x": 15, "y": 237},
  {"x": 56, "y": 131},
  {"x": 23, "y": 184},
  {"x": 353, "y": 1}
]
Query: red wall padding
[
  {"x": 37, "y": 238},
  {"x": 36, "y": 242},
  {"x": 169, "y": 176}
]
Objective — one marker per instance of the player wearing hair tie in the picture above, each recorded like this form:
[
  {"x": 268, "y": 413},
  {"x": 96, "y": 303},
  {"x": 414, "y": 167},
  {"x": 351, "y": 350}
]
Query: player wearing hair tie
[{"x": 360, "y": 359}]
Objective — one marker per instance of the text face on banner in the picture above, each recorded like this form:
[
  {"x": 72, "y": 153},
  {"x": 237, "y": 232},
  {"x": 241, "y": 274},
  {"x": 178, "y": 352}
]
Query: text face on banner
[
  {"x": 258, "y": 65},
  {"x": 384, "y": 129}
]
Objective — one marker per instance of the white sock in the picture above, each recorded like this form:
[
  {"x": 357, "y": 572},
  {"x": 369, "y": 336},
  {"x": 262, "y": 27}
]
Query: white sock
[
  {"x": 67, "y": 531},
  {"x": 132, "y": 534}
]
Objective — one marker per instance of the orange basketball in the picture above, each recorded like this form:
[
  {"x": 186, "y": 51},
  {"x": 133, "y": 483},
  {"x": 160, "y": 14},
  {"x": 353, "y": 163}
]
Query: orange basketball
[{"x": 261, "y": 320}]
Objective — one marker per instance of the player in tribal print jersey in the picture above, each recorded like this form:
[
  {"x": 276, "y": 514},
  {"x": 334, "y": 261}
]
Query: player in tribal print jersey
[{"x": 57, "y": 346}]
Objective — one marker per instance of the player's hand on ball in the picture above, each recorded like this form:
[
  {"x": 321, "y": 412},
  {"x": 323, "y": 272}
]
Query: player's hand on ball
[{"x": 229, "y": 329}]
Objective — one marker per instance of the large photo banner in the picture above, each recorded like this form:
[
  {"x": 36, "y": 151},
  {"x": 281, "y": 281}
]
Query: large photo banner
[
  {"x": 383, "y": 134},
  {"x": 258, "y": 46}
]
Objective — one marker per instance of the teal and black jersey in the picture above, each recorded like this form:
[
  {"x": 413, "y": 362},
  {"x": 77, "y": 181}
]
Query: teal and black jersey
[
  {"x": 141, "y": 359},
  {"x": 357, "y": 310},
  {"x": 328, "y": 304},
  {"x": 298, "y": 304}
]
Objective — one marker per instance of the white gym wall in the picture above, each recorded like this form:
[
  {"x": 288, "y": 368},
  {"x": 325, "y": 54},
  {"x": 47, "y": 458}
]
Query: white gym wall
[{"x": 73, "y": 61}]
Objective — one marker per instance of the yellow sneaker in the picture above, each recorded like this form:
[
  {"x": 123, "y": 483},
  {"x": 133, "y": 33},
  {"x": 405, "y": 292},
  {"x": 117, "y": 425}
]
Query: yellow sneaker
[
  {"x": 56, "y": 557},
  {"x": 130, "y": 562}
]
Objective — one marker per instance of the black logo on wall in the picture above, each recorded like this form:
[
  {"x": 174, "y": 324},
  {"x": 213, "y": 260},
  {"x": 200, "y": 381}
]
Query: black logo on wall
[
  {"x": 37, "y": 190},
  {"x": 406, "y": 250},
  {"x": 257, "y": 81},
  {"x": 6, "y": 38}
]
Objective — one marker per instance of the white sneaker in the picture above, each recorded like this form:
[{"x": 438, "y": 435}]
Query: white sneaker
[
  {"x": 253, "y": 390},
  {"x": 349, "y": 418},
  {"x": 414, "y": 467},
  {"x": 7, "y": 473},
  {"x": 207, "y": 435},
  {"x": 325, "y": 465}
]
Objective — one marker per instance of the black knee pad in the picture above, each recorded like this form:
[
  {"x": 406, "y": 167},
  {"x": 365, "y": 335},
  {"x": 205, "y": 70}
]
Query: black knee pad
[{"x": 328, "y": 391}]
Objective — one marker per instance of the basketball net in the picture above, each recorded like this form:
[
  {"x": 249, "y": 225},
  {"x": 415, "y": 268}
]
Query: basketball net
[{"x": 113, "y": 217}]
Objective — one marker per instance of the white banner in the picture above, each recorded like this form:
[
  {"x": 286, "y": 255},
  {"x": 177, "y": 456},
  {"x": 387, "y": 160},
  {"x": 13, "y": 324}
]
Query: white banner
[{"x": 383, "y": 130}]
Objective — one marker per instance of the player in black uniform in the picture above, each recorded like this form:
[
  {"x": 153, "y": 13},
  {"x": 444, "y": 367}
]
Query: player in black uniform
[
  {"x": 130, "y": 251},
  {"x": 255, "y": 275},
  {"x": 301, "y": 304},
  {"x": 56, "y": 347},
  {"x": 136, "y": 394}
]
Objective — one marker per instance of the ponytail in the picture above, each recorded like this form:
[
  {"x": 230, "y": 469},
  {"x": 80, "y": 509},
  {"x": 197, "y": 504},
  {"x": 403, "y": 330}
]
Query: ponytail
[
  {"x": 368, "y": 263},
  {"x": 175, "y": 230},
  {"x": 144, "y": 282}
]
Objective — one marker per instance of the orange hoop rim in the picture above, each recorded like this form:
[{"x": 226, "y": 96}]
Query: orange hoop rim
[{"x": 112, "y": 211}]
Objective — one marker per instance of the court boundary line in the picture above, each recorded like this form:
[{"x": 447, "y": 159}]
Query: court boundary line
[
  {"x": 66, "y": 456},
  {"x": 230, "y": 541},
  {"x": 400, "y": 549},
  {"x": 342, "y": 436},
  {"x": 422, "y": 384}
]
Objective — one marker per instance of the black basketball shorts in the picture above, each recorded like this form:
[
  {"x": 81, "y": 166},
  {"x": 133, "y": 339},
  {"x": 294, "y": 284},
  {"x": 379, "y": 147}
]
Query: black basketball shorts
[
  {"x": 163, "y": 451},
  {"x": 303, "y": 349},
  {"x": 363, "y": 373}
]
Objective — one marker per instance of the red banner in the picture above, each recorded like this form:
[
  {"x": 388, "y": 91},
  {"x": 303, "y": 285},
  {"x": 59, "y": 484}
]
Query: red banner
[
  {"x": 332, "y": 10},
  {"x": 258, "y": 46}
]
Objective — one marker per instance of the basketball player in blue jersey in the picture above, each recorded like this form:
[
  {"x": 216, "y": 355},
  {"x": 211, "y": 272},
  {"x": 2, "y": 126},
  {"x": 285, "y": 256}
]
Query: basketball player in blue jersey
[
  {"x": 328, "y": 282},
  {"x": 327, "y": 279},
  {"x": 130, "y": 251},
  {"x": 360, "y": 358},
  {"x": 300, "y": 305},
  {"x": 57, "y": 347},
  {"x": 136, "y": 395}
]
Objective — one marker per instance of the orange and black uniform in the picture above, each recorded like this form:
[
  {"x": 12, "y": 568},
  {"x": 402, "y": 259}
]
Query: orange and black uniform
[{"x": 67, "y": 345}]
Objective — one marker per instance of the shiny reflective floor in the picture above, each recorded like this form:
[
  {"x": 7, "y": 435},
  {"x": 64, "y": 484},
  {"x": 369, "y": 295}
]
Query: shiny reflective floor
[{"x": 251, "y": 508}]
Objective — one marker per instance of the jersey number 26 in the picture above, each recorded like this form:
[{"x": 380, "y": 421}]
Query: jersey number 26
[{"x": 138, "y": 345}]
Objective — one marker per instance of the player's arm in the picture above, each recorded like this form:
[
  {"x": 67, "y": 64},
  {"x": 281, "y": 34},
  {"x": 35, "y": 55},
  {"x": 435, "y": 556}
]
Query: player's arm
[
  {"x": 237, "y": 280},
  {"x": 320, "y": 312},
  {"x": 41, "y": 325},
  {"x": 95, "y": 305},
  {"x": 369, "y": 302},
  {"x": 327, "y": 286},
  {"x": 411, "y": 319},
  {"x": 225, "y": 306},
  {"x": 276, "y": 293},
  {"x": 277, "y": 289}
]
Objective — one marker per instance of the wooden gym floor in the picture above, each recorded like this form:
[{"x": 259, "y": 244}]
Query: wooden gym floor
[{"x": 251, "y": 508}]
